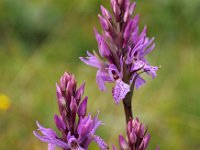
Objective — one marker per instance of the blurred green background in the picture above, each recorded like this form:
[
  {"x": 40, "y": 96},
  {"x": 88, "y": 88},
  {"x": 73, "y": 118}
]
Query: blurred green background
[{"x": 41, "y": 39}]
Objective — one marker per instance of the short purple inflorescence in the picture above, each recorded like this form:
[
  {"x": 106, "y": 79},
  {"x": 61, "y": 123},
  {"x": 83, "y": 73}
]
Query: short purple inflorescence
[
  {"x": 137, "y": 137},
  {"x": 122, "y": 50},
  {"x": 77, "y": 133}
]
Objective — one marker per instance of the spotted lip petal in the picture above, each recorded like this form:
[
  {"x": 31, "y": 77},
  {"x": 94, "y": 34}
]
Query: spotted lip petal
[{"x": 120, "y": 90}]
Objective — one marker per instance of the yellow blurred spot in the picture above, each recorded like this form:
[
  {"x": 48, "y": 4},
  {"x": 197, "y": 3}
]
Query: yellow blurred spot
[{"x": 4, "y": 102}]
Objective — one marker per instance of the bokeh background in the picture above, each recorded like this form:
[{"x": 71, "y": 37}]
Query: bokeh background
[{"x": 41, "y": 39}]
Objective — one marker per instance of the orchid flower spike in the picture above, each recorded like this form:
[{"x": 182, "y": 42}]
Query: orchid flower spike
[
  {"x": 122, "y": 50},
  {"x": 76, "y": 133}
]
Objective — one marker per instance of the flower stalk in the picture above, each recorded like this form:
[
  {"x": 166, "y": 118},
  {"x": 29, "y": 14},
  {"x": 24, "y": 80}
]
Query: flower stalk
[{"x": 127, "y": 103}]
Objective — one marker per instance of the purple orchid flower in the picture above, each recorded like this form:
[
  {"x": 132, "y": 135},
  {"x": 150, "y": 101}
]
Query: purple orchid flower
[
  {"x": 77, "y": 134},
  {"x": 122, "y": 50},
  {"x": 137, "y": 137}
]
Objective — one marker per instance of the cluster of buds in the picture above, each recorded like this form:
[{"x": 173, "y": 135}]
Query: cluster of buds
[
  {"x": 77, "y": 133},
  {"x": 122, "y": 50},
  {"x": 137, "y": 137}
]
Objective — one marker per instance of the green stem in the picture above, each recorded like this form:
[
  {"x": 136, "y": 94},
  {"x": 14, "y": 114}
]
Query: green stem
[{"x": 127, "y": 106}]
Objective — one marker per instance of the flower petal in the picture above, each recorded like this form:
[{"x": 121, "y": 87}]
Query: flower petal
[
  {"x": 83, "y": 107},
  {"x": 51, "y": 140},
  {"x": 59, "y": 123},
  {"x": 120, "y": 90},
  {"x": 91, "y": 60},
  {"x": 100, "y": 142},
  {"x": 100, "y": 79},
  {"x": 139, "y": 82},
  {"x": 138, "y": 65},
  {"x": 123, "y": 144},
  {"x": 51, "y": 146},
  {"x": 151, "y": 70}
]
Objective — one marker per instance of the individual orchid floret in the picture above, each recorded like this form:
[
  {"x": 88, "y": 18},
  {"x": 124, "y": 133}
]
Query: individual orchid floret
[
  {"x": 76, "y": 127},
  {"x": 122, "y": 50},
  {"x": 137, "y": 137}
]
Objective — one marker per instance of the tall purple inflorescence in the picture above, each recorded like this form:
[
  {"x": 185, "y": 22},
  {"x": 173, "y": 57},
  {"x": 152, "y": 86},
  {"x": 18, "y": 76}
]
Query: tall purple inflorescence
[
  {"x": 122, "y": 50},
  {"x": 77, "y": 133}
]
